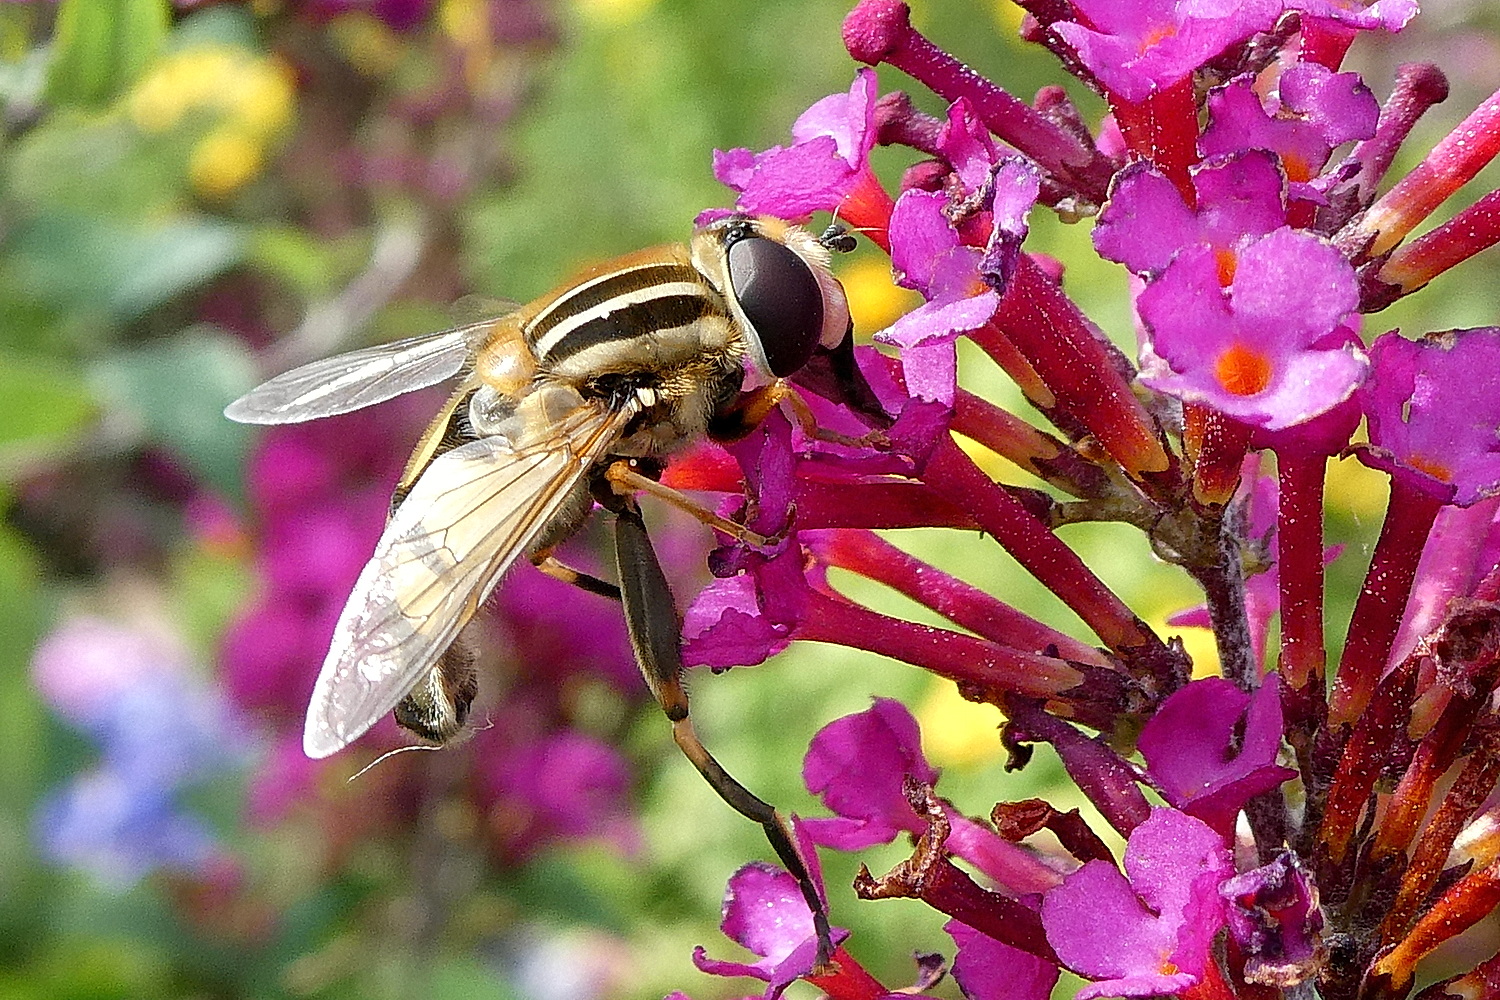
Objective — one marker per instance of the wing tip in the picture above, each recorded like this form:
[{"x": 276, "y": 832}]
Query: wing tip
[
  {"x": 245, "y": 411},
  {"x": 318, "y": 742}
]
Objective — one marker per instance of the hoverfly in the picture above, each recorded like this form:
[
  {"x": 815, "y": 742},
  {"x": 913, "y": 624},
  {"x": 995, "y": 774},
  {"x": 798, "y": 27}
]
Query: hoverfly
[{"x": 572, "y": 400}]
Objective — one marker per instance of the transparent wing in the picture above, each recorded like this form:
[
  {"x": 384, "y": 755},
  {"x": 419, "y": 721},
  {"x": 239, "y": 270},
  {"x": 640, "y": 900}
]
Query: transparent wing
[
  {"x": 472, "y": 512},
  {"x": 358, "y": 379}
]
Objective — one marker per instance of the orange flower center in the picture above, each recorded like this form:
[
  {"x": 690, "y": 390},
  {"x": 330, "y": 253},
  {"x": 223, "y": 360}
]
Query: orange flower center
[
  {"x": 1432, "y": 467},
  {"x": 1226, "y": 262},
  {"x": 1243, "y": 370}
]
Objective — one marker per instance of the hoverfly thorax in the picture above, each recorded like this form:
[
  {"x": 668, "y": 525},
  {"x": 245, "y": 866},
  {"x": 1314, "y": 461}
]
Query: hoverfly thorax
[{"x": 776, "y": 282}]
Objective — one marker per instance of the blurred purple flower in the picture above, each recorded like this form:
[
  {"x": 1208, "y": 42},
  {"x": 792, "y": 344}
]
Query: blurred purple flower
[
  {"x": 159, "y": 729},
  {"x": 563, "y": 785},
  {"x": 119, "y": 830}
]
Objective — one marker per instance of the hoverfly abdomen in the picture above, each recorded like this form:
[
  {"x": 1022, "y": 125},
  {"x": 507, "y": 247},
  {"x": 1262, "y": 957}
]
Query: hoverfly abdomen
[{"x": 438, "y": 707}]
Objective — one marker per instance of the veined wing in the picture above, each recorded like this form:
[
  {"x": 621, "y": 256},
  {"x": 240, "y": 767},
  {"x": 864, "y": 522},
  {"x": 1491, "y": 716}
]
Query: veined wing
[
  {"x": 360, "y": 378},
  {"x": 472, "y": 512}
]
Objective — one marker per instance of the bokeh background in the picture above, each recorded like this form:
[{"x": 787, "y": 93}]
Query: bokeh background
[{"x": 195, "y": 197}]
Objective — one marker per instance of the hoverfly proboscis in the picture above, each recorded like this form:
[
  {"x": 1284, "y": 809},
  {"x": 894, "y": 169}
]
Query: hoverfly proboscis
[{"x": 571, "y": 400}]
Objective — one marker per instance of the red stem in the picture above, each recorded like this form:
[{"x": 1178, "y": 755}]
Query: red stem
[
  {"x": 946, "y": 653},
  {"x": 954, "y": 476},
  {"x": 1377, "y": 615},
  {"x": 1299, "y": 566},
  {"x": 1163, "y": 128},
  {"x": 1052, "y": 333}
]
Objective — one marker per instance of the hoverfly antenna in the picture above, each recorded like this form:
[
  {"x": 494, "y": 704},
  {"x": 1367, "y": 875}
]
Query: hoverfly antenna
[{"x": 836, "y": 237}]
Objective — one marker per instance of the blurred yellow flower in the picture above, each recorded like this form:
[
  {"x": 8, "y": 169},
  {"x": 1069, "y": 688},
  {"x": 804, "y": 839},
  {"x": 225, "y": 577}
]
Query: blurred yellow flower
[
  {"x": 367, "y": 42},
  {"x": 239, "y": 103},
  {"x": 955, "y": 731},
  {"x": 223, "y": 161},
  {"x": 874, "y": 299},
  {"x": 613, "y": 12}
]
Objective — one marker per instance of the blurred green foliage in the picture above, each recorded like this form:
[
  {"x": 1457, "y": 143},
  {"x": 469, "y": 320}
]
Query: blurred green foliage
[{"x": 159, "y": 170}]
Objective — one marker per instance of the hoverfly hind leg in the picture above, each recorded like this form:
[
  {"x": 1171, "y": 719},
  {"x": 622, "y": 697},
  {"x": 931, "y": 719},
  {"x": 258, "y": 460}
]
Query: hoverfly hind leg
[
  {"x": 437, "y": 708},
  {"x": 559, "y": 570},
  {"x": 655, "y": 630}
]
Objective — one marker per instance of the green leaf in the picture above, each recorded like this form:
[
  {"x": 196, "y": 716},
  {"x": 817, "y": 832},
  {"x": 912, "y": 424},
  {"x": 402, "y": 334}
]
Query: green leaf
[
  {"x": 101, "y": 46},
  {"x": 177, "y": 390},
  {"x": 76, "y": 261},
  {"x": 43, "y": 406}
]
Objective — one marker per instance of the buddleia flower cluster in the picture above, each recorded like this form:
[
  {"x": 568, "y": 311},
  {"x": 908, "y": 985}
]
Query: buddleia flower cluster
[{"x": 1317, "y": 820}]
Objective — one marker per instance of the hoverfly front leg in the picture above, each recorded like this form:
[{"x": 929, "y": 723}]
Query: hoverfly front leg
[
  {"x": 745, "y": 414},
  {"x": 625, "y": 478},
  {"x": 656, "y": 637}
]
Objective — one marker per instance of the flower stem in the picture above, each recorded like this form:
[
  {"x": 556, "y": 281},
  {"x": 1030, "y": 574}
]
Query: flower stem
[
  {"x": 1054, "y": 336},
  {"x": 1452, "y": 163},
  {"x": 1299, "y": 563},
  {"x": 872, "y": 557},
  {"x": 1163, "y": 128},
  {"x": 880, "y": 31},
  {"x": 946, "y": 653},
  {"x": 954, "y": 476},
  {"x": 1474, "y": 229},
  {"x": 1377, "y": 615}
]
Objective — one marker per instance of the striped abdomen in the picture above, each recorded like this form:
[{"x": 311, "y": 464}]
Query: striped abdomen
[{"x": 648, "y": 312}]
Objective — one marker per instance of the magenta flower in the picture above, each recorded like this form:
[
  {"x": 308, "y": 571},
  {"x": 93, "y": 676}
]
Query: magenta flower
[
  {"x": 825, "y": 169},
  {"x": 1269, "y": 347},
  {"x": 1275, "y": 918},
  {"x": 1313, "y": 112},
  {"x": 1149, "y": 931},
  {"x": 1211, "y": 748},
  {"x": 1140, "y": 47},
  {"x": 859, "y": 765},
  {"x": 764, "y": 911},
  {"x": 1239, "y": 198},
  {"x": 986, "y": 969},
  {"x": 1430, "y": 423}
]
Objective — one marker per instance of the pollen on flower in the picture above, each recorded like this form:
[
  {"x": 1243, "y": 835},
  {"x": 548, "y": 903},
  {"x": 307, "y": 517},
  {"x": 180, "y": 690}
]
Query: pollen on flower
[
  {"x": 1157, "y": 35},
  {"x": 1437, "y": 470},
  {"x": 1227, "y": 262},
  {"x": 1243, "y": 370},
  {"x": 1298, "y": 169}
]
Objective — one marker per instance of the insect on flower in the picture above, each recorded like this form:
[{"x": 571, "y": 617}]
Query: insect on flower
[{"x": 572, "y": 400}]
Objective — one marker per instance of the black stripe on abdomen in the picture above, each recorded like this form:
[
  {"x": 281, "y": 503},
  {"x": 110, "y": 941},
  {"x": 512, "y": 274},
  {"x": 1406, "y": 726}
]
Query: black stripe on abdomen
[{"x": 632, "y": 321}]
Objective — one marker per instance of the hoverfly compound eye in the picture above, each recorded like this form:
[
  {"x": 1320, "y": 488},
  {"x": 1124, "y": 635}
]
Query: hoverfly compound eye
[{"x": 780, "y": 297}]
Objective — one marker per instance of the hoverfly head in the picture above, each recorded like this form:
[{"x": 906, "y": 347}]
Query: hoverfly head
[{"x": 776, "y": 280}]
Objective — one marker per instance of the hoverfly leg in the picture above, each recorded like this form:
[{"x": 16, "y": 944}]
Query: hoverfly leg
[
  {"x": 559, "y": 570},
  {"x": 656, "y": 637},
  {"x": 746, "y": 413},
  {"x": 626, "y": 480}
]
